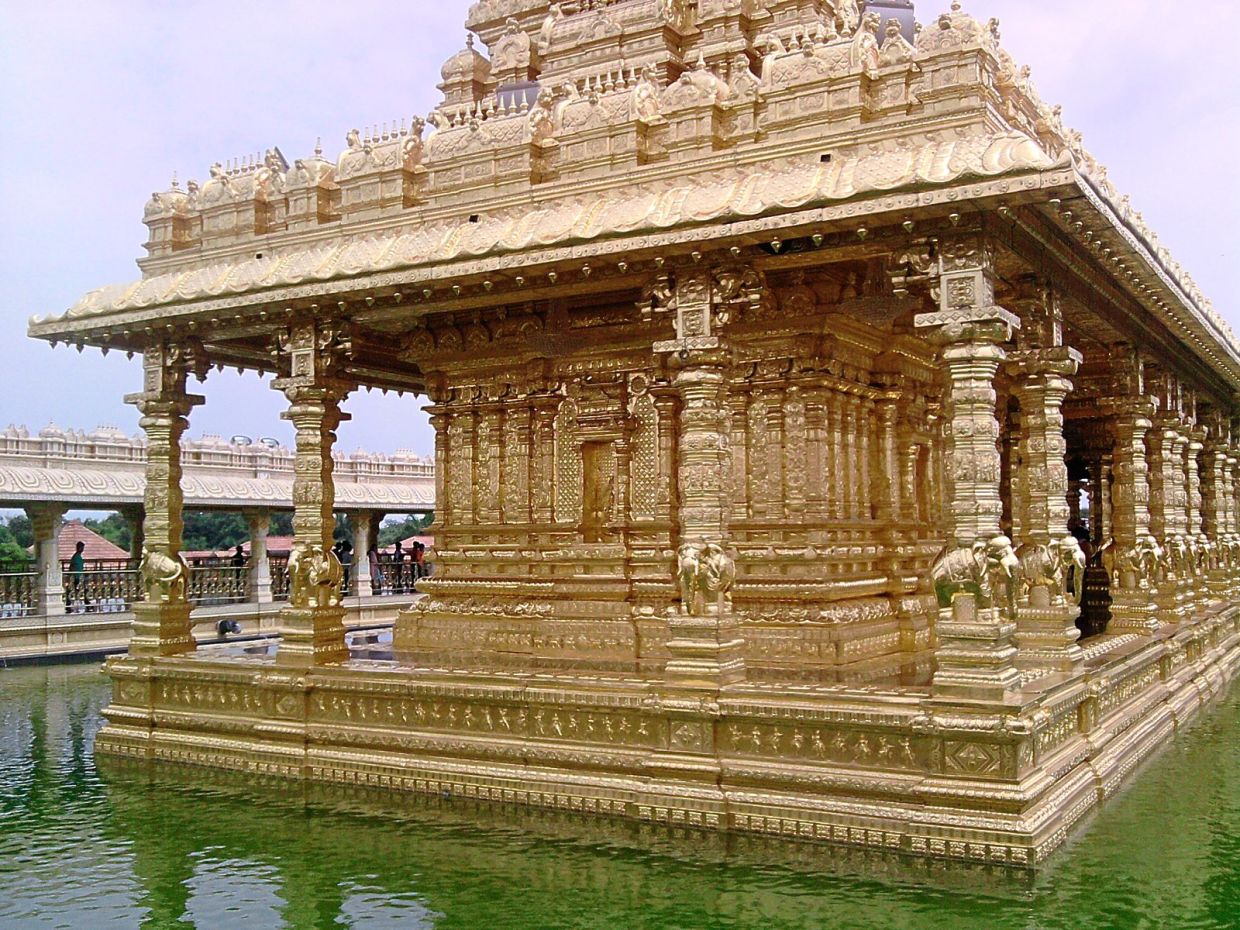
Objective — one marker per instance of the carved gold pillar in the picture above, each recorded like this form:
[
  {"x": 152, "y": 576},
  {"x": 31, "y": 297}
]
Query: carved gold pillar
[
  {"x": 796, "y": 454},
  {"x": 1193, "y": 444},
  {"x": 835, "y": 476},
  {"x": 776, "y": 496},
  {"x": 542, "y": 459},
  {"x": 1046, "y": 627},
  {"x": 46, "y": 521},
  {"x": 1167, "y": 522},
  {"x": 739, "y": 402},
  {"x": 1132, "y": 609},
  {"x": 313, "y": 622},
  {"x": 1213, "y": 520},
  {"x": 886, "y": 476},
  {"x": 665, "y": 408},
  {"x": 849, "y": 451},
  {"x": 487, "y": 442},
  {"x": 818, "y": 476},
  {"x": 1229, "y": 492},
  {"x": 975, "y": 656},
  {"x": 865, "y": 458},
  {"x": 704, "y": 641},
  {"x": 439, "y": 418},
  {"x": 162, "y": 621}
]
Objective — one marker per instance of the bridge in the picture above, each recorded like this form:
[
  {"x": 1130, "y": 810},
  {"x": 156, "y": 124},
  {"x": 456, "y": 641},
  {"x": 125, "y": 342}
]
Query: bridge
[
  {"x": 46, "y": 610},
  {"x": 105, "y": 470}
]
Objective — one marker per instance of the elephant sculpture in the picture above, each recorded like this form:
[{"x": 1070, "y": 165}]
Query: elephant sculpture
[
  {"x": 314, "y": 577},
  {"x": 1176, "y": 560},
  {"x": 163, "y": 576},
  {"x": 1142, "y": 562},
  {"x": 1072, "y": 557},
  {"x": 705, "y": 574},
  {"x": 989, "y": 570},
  {"x": 1041, "y": 566}
]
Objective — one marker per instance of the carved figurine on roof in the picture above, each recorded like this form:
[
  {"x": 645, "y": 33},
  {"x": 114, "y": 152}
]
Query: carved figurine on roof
[{"x": 514, "y": 57}]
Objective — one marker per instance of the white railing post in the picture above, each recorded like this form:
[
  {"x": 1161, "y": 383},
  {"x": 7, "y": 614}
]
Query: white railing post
[
  {"x": 46, "y": 521},
  {"x": 260, "y": 567},
  {"x": 359, "y": 526}
]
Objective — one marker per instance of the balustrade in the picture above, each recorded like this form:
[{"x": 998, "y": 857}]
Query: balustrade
[
  {"x": 279, "y": 577},
  {"x": 212, "y": 583},
  {"x": 103, "y": 586},
  {"x": 396, "y": 577},
  {"x": 115, "y": 585},
  {"x": 18, "y": 589}
]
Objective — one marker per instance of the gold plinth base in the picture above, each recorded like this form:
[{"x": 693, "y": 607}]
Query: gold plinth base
[
  {"x": 895, "y": 768},
  {"x": 161, "y": 629},
  {"x": 311, "y": 636}
]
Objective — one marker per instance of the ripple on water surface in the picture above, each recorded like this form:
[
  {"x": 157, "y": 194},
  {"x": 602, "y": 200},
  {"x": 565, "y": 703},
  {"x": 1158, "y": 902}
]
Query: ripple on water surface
[{"x": 81, "y": 848}]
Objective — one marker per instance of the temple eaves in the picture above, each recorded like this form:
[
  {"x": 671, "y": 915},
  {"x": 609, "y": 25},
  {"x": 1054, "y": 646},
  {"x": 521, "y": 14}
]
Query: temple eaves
[{"x": 595, "y": 122}]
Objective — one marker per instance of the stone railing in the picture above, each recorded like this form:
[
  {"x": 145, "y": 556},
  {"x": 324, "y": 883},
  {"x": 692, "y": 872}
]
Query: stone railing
[
  {"x": 105, "y": 586},
  {"x": 56, "y": 448},
  {"x": 107, "y": 468},
  {"x": 279, "y": 577},
  {"x": 213, "y": 584},
  {"x": 113, "y": 586},
  {"x": 18, "y": 589}
]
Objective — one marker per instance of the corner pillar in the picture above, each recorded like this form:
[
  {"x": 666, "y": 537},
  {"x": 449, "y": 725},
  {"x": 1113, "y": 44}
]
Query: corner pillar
[
  {"x": 312, "y": 624},
  {"x": 162, "y": 621},
  {"x": 975, "y": 576}
]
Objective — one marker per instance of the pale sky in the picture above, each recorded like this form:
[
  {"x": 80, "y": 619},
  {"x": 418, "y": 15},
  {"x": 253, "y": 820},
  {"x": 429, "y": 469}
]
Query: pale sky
[{"x": 100, "y": 102}]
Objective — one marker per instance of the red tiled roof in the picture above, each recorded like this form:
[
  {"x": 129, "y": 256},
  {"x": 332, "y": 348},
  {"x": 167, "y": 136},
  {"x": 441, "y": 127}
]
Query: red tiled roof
[
  {"x": 274, "y": 544},
  {"x": 427, "y": 541},
  {"x": 74, "y": 531}
]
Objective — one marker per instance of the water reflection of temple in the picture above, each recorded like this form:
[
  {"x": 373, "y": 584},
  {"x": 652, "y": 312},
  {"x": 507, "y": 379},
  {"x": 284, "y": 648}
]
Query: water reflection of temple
[{"x": 783, "y": 374}]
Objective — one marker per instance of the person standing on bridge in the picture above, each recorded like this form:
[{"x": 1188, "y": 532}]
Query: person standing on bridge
[{"x": 77, "y": 575}]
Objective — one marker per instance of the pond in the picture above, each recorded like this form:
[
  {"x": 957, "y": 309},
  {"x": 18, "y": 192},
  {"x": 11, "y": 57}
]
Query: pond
[{"x": 94, "y": 846}]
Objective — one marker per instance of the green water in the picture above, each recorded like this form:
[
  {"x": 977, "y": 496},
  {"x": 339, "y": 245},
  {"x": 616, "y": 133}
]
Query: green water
[{"x": 83, "y": 847}]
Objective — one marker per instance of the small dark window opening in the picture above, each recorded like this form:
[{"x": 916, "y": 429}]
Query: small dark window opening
[
  {"x": 826, "y": 159},
  {"x": 473, "y": 217},
  {"x": 258, "y": 255}
]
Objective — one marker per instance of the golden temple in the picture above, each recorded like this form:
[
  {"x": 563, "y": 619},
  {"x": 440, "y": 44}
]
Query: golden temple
[{"x": 824, "y": 448}]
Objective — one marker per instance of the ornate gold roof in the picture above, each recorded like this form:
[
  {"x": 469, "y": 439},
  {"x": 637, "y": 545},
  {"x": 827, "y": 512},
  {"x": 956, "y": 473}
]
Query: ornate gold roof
[{"x": 594, "y": 120}]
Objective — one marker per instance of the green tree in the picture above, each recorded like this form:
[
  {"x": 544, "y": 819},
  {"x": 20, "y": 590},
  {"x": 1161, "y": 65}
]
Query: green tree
[
  {"x": 214, "y": 531},
  {"x": 21, "y": 530},
  {"x": 114, "y": 528},
  {"x": 413, "y": 525},
  {"x": 13, "y": 554}
]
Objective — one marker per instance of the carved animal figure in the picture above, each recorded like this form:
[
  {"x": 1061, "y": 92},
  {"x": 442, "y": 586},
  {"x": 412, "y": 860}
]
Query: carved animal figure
[
  {"x": 1176, "y": 559},
  {"x": 688, "y": 566},
  {"x": 989, "y": 570},
  {"x": 163, "y": 576},
  {"x": 718, "y": 572},
  {"x": 314, "y": 577},
  {"x": 1041, "y": 566},
  {"x": 1072, "y": 557},
  {"x": 705, "y": 574},
  {"x": 1142, "y": 562}
]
